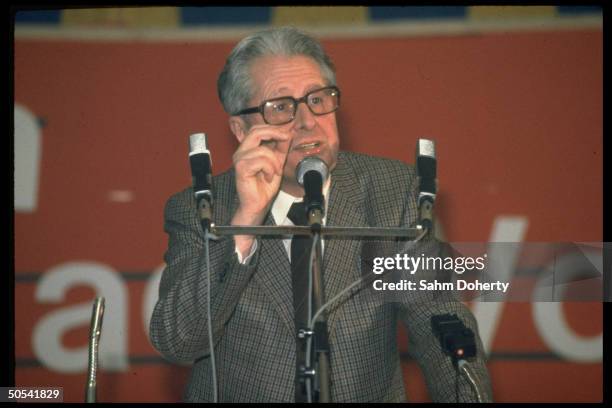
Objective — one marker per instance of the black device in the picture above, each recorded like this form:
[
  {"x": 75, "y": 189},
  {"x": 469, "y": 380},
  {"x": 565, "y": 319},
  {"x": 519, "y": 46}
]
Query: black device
[{"x": 456, "y": 340}]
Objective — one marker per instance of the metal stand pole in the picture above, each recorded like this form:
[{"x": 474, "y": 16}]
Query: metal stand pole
[
  {"x": 320, "y": 345},
  {"x": 95, "y": 329}
]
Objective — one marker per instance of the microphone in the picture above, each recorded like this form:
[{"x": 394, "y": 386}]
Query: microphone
[
  {"x": 426, "y": 173},
  {"x": 201, "y": 177},
  {"x": 311, "y": 173},
  {"x": 458, "y": 342},
  {"x": 95, "y": 330}
]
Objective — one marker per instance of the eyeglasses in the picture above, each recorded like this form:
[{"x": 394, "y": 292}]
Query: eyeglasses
[{"x": 279, "y": 111}]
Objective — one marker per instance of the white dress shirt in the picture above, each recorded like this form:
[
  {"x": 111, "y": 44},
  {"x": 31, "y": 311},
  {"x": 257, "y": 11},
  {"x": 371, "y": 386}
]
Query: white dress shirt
[{"x": 280, "y": 210}]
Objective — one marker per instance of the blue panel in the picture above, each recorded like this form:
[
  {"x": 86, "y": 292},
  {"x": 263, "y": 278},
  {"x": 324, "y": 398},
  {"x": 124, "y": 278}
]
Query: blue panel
[
  {"x": 38, "y": 17},
  {"x": 225, "y": 15},
  {"x": 565, "y": 10},
  {"x": 416, "y": 12}
]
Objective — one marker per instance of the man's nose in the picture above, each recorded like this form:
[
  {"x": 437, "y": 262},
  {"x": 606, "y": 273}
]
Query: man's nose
[{"x": 304, "y": 118}]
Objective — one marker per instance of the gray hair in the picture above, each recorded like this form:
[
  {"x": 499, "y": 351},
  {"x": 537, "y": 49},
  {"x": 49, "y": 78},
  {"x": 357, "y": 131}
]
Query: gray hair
[{"x": 234, "y": 84}]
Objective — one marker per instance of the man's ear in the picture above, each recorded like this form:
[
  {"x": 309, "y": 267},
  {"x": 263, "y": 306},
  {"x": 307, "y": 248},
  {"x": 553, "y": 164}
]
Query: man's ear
[{"x": 238, "y": 127}]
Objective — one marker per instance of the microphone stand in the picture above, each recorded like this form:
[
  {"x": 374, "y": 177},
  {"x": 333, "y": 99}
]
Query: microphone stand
[
  {"x": 316, "y": 334},
  {"x": 280, "y": 230},
  {"x": 318, "y": 340},
  {"x": 318, "y": 375},
  {"x": 204, "y": 208}
]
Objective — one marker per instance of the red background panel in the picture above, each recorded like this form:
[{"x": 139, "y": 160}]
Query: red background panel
[
  {"x": 517, "y": 118},
  {"x": 547, "y": 381}
]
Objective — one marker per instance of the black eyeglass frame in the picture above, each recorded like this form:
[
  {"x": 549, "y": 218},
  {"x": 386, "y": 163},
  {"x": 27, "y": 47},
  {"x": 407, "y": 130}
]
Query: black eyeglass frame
[{"x": 260, "y": 109}]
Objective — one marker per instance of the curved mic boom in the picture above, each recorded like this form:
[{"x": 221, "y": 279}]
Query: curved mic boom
[{"x": 95, "y": 330}]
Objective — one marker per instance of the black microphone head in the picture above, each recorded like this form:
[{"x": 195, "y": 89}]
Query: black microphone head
[
  {"x": 426, "y": 165},
  {"x": 311, "y": 163}
]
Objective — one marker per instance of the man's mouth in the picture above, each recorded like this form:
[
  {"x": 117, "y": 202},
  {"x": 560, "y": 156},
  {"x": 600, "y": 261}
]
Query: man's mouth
[{"x": 307, "y": 146}]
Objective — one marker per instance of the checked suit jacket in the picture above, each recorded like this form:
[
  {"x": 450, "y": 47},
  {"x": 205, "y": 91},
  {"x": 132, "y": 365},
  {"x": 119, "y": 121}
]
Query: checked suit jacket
[{"x": 252, "y": 307}]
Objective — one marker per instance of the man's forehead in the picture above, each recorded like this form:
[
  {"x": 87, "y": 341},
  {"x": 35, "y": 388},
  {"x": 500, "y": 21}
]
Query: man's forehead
[{"x": 273, "y": 76}]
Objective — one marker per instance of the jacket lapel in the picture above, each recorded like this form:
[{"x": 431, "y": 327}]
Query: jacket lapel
[
  {"x": 341, "y": 260},
  {"x": 274, "y": 275}
]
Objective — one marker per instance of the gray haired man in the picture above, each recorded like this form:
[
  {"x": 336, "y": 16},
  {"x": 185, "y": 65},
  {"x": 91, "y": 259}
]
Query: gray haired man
[{"x": 279, "y": 88}]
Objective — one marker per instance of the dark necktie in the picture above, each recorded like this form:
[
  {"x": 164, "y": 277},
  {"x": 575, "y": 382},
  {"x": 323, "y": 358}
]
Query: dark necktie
[{"x": 300, "y": 257}]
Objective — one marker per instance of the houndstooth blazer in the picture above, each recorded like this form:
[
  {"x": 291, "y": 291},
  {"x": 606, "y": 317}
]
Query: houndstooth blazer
[{"x": 252, "y": 309}]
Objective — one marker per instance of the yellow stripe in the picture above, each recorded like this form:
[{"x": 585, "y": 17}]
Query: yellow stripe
[
  {"x": 130, "y": 17},
  {"x": 318, "y": 16},
  {"x": 501, "y": 12}
]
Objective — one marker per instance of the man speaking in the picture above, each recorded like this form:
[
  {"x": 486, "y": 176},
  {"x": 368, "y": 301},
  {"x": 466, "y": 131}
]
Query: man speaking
[{"x": 279, "y": 88}]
